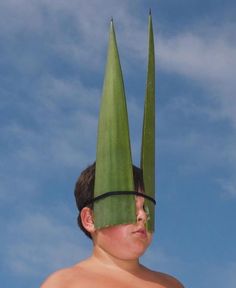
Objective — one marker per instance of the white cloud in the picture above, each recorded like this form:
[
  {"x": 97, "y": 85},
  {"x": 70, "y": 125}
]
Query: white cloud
[
  {"x": 77, "y": 33},
  {"x": 227, "y": 187},
  {"x": 207, "y": 57},
  {"x": 59, "y": 135},
  {"x": 12, "y": 185},
  {"x": 37, "y": 244},
  {"x": 63, "y": 113}
]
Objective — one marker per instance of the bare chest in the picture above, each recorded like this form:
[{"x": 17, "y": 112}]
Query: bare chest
[{"x": 115, "y": 281}]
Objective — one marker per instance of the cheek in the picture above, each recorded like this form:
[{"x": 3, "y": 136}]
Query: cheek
[
  {"x": 120, "y": 242},
  {"x": 116, "y": 234}
]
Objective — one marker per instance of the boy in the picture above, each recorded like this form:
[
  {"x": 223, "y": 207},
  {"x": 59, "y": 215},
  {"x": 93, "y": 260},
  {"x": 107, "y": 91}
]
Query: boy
[
  {"x": 116, "y": 250},
  {"x": 116, "y": 212}
]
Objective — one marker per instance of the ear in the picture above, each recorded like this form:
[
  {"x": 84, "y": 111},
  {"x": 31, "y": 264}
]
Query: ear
[{"x": 86, "y": 215}]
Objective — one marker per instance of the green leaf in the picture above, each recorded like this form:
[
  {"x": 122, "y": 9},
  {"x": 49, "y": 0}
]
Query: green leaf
[
  {"x": 113, "y": 159},
  {"x": 148, "y": 138}
]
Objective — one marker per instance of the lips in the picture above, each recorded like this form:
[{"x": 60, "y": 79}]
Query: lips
[{"x": 141, "y": 232}]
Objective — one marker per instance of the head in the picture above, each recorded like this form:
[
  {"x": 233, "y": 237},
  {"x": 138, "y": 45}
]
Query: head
[
  {"x": 84, "y": 189},
  {"x": 84, "y": 192}
]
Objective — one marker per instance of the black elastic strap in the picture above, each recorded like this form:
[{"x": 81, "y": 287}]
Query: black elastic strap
[{"x": 114, "y": 193}]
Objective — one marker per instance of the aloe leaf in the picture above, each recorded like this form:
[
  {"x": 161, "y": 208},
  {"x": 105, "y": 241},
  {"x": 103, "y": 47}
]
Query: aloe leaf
[
  {"x": 148, "y": 138},
  {"x": 113, "y": 159}
]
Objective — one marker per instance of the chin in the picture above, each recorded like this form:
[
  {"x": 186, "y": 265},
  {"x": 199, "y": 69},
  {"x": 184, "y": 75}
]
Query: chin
[
  {"x": 137, "y": 248},
  {"x": 123, "y": 242},
  {"x": 140, "y": 248}
]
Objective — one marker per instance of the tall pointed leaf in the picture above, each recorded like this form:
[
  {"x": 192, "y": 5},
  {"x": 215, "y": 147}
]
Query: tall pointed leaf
[
  {"x": 148, "y": 138},
  {"x": 113, "y": 159}
]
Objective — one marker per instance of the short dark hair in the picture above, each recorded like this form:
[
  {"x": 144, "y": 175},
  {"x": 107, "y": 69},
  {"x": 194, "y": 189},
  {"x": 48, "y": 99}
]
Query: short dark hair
[{"x": 84, "y": 189}]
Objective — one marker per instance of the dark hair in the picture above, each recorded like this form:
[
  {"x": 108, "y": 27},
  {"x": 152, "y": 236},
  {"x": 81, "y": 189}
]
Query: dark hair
[{"x": 85, "y": 186}]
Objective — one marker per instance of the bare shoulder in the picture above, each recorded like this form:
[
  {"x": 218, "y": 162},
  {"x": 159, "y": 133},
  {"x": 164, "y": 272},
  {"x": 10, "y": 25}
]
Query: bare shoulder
[
  {"x": 64, "y": 278},
  {"x": 168, "y": 281},
  {"x": 57, "y": 279},
  {"x": 163, "y": 279}
]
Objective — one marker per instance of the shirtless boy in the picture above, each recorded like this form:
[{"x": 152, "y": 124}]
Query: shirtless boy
[
  {"x": 116, "y": 250},
  {"x": 115, "y": 193}
]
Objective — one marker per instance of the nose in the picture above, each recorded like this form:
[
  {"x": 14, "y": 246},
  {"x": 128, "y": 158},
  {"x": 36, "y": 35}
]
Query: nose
[
  {"x": 141, "y": 216},
  {"x": 140, "y": 212}
]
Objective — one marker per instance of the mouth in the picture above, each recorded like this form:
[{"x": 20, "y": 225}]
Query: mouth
[{"x": 141, "y": 232}]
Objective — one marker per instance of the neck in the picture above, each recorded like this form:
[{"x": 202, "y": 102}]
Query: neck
[{"x": 102, "y": 257}]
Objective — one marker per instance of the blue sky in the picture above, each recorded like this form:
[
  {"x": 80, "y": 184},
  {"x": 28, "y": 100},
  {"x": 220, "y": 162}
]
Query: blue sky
[{"x": 52, "y": 61}]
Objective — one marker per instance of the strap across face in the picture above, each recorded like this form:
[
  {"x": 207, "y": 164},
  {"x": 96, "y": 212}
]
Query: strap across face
[{"x": 115, "y": 193}]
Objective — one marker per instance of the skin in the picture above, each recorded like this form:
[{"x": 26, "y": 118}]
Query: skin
[{"x": 115, "y": 258}]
